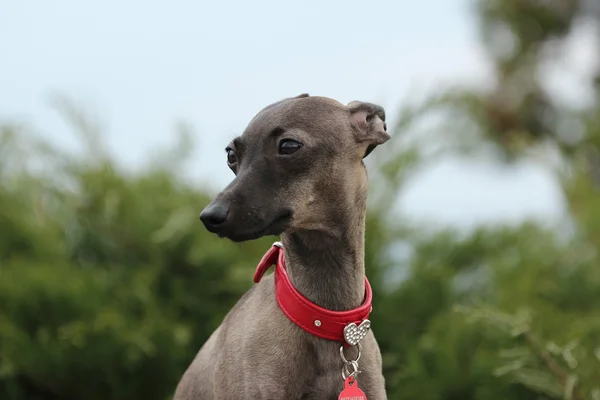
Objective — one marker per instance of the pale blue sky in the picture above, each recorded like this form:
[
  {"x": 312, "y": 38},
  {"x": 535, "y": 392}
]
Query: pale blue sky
[{"x": 140, "y": 66}]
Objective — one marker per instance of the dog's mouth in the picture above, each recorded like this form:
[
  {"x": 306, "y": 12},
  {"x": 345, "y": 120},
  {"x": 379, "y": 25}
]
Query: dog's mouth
[{"x": 275, "y": 227}]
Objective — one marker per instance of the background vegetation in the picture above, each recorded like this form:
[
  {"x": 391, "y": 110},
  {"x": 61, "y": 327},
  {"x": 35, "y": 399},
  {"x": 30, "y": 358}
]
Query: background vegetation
[{"x": 109, "y": 284}]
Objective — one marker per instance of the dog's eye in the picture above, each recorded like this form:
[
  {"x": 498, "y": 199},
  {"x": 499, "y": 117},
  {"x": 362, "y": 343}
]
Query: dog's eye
[
  {"x": 289, "y": 146},
  {"x": 231, "y": 157}
]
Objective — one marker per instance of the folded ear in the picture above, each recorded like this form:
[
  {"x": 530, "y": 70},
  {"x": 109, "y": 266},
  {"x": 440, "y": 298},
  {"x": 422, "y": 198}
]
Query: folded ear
[{"x": 368, "y": 123}]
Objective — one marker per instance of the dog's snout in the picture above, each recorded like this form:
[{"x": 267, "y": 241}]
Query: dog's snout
[{"x": 214, "y": 215}]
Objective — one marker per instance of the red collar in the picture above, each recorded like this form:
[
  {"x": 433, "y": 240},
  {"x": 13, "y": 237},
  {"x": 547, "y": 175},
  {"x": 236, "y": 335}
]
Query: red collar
[{"x": 313, "y": 319}]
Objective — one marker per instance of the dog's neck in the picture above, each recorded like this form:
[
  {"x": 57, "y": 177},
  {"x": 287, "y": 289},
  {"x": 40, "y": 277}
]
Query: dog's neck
[{"x": 328, "y": 268}]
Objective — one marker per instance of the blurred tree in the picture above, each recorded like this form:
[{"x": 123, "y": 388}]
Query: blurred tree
[
  {"x": 107, "y": 285},
  {"x": 536, "y": 284}
]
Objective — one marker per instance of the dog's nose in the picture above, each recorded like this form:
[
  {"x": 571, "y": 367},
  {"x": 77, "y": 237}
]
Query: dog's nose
[{"x": 214, "y": 215}]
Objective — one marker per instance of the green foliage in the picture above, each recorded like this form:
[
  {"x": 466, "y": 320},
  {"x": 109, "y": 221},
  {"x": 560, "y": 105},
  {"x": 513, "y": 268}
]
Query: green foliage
[{"x": 109, "y": 285}]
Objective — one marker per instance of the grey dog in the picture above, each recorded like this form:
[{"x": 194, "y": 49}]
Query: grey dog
[{"x": 299, "y": 174}]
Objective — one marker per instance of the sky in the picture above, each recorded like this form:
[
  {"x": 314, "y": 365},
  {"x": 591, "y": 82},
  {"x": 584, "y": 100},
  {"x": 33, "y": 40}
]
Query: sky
[{"x": 139, "y": 67}]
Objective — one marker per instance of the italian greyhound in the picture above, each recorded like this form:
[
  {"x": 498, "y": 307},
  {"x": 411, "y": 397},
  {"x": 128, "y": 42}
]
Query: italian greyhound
[{"x": 299, "y": 174}]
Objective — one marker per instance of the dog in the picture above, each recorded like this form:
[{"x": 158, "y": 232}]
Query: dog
[{"x": 300, "y": 175}]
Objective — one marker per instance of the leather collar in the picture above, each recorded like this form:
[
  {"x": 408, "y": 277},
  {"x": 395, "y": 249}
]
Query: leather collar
[{"x": 312, "y": 318}]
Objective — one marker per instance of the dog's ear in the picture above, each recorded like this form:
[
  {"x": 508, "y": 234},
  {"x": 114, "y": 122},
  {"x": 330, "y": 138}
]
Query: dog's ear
[{"x": 368, "y": 123}]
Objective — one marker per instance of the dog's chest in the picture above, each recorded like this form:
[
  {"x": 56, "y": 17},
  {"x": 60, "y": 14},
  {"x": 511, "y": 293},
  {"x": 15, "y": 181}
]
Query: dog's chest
[
  {"x": 322, "y": 379},
  {"x": 323, "y": 387}
]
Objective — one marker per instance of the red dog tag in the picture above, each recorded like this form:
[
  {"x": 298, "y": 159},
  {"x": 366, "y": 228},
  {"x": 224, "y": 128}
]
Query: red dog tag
[{"x": 351, "y": 390}]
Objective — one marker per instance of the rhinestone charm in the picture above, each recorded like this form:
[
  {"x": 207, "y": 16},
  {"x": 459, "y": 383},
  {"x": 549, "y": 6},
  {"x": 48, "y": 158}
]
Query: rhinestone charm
[
  {"x": 355, "y": 333},
  {"x": 317, "y": 323}
]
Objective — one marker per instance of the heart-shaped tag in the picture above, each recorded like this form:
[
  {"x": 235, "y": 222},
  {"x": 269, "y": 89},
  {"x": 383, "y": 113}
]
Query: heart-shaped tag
[
  {"x": 355, "y": 333},
  {"x": 351, "y": 391}
]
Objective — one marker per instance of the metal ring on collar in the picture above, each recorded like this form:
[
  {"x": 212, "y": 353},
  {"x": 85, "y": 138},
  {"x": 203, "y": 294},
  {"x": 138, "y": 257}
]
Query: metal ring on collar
[
  {"x": 278, "y": 244},
  {"x": 346, "y": 372},
  {"x": 344, "y": 357}
]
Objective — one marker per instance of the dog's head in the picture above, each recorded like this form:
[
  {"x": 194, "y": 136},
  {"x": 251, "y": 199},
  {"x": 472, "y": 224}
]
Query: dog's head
[{"x": 298, "y": 166}]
